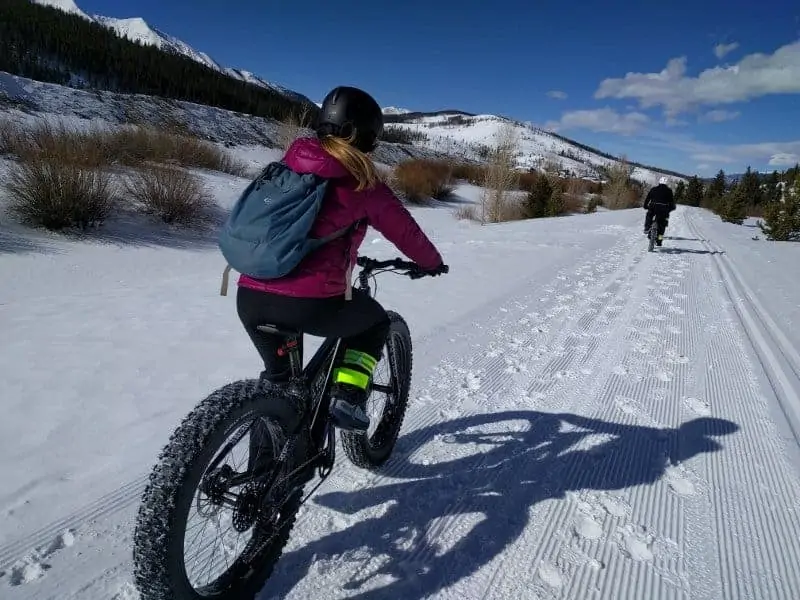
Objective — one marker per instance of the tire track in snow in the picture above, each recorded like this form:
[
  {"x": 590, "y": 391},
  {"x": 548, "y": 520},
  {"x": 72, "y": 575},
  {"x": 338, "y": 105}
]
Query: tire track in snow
[
  {"x": 757, "y": 514},
  {"x": 575, "y": 549},
  {"x": 779, "y": 358}
]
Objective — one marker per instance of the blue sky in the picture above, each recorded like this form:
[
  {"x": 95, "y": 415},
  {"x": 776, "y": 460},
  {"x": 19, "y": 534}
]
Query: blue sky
[{"x": 512, "y": 57}]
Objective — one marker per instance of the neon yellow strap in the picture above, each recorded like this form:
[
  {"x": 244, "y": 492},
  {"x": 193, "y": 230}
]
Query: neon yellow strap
[
  {"x": 351, "y": 377},
  {"x": 360, "y": 359}
]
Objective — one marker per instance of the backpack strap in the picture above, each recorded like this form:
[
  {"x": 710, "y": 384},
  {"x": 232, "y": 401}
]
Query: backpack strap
[{"x": 223, "y": 290}]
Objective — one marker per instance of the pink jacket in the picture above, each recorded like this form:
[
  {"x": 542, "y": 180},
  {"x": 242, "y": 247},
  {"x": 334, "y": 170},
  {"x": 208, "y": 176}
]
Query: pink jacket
[{"x": 326, "y": 272}]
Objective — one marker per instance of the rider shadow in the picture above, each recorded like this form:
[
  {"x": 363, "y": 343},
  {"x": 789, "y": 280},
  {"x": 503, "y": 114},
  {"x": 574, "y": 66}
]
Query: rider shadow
[
  {"x": 682, "y": 239},
  {"x": 501, "y": 465},
  {"x": 688, "y": 251}
]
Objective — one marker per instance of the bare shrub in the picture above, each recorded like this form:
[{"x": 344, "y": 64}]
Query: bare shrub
[
  {"x": 577, "y": 187},
  {"x": 592, "y": 204},
  {"x": 418, "y": 180},
  {"x": 173, "y": 195},
  {"x": 501, "y": 175},
  {"x": 294, "y": 126},
  {"x": 11, "y": 137},
  {"x": 59, "y": 142},
  {"x": 527, "y": 181},
  {"x": 136, "y": 146},
  {"x": 472, "y": 173},
  {"x": 49, "y": 193},
  {"x": 620, "y": 192},
  {"x": 95, "y": 147}
]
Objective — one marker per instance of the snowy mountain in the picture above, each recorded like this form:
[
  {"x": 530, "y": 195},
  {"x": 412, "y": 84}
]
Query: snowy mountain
[
  {"x": 68, "y": 6},
  {"x": 393, "y": 110},
  {"x": 138, "y": 30},
  {"x": 470, "y": 136}
]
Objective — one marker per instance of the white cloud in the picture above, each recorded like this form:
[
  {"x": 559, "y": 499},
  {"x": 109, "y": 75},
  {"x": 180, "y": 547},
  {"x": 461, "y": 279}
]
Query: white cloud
[
  {"x": 720, "y": 115},
  {"x": 753, "y": 76},
  {"x": 776, "y": 154},
  {"x": 731, "y": 157},
  {"x": 675, "y": 122},
  {"x": 721, "y": 50},
  {"x": 784, "y": 159},
  {"x": 602, "y": 119},
  {"x": 557, "y": 94}
]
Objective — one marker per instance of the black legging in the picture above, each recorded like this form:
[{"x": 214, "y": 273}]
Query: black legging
[{"x": 361, "y": 322}]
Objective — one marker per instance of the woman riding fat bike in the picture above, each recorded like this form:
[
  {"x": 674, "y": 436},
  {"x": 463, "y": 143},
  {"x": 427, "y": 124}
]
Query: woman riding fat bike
[
  {"x": 316, "y": 297},
  {"x": 291, "y": 413}
]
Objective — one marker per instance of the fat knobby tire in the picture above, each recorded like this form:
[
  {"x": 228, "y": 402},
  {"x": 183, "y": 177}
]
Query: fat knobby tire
[
  {"x": 159, "y": 570},
  {"x": 372, "y": 454}
]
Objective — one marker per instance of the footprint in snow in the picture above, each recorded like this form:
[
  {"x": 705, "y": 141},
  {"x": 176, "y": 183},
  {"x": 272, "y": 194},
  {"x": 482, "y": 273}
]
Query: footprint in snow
[
  {"x": 587, "y": 528},
  {"x": 33, "y": 566},
  {"x": 613, "y": 506},
  {"x": 550, "y": 574},
  {"x": 698, "y": 406},
  {"x": 678, "y": 483},
  {"x": 635, "y": 545}
]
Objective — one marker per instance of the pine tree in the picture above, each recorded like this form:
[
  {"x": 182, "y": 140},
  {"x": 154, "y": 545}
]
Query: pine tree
[
  {"x": 555, "y": 205},
  {"x": 694, "y": 191},
  {"x": 536, "y": 203},
  {"x": 750, "y": 185},
  {"x": 772, "y": 187},
  {"x": 733, "y": 208},
  {"x": 680, "y": 193},
  {"x": 715, "y": 192},
  {"x": 782, "y": 219}
]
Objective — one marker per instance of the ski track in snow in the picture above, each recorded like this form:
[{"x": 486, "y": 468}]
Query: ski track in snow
[{"x": 606, "y": 434}]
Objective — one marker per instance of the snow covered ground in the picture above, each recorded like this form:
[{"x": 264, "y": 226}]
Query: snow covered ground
[{"x": 588, "y": 420}]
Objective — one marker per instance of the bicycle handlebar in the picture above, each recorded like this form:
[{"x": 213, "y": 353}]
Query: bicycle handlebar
[{"x": 412, "y": 269}]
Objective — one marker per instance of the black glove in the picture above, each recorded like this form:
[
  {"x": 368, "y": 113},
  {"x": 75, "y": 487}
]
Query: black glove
[{"x": 441, "y": 269}]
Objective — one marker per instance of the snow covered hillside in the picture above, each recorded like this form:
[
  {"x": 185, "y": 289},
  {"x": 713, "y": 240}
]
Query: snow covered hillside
[
  {"x": 587, "y": 419},
  {"x": 470, "y": 136},
  {"x": 137, "y": 29},
  {"x": 24, "y": 99}
]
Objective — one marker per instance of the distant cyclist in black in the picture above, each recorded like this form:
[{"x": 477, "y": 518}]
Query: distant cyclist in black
[{"x": 659, "y": 203}]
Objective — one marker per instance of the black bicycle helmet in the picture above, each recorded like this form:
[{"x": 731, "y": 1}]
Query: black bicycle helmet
[{"x": 347, "y": 111}]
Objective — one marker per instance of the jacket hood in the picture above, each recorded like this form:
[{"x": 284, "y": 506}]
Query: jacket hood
[{"x": 306, "y": 155}]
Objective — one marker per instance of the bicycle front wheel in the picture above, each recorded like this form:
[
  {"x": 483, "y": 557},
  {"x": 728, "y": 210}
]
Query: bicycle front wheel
[{"x": 391, "y": 384}]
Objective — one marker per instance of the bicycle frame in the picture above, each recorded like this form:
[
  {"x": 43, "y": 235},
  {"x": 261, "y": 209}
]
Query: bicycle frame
[{"x": 313, "y": 384}]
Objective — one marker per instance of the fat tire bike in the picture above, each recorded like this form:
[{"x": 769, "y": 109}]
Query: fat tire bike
[{"x": 260, "y": 503}]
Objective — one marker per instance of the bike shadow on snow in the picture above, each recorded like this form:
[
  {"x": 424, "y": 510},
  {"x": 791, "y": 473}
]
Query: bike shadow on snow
[
  {"x": 496, "y": 466},
  {"x": 675, "y": 250}
]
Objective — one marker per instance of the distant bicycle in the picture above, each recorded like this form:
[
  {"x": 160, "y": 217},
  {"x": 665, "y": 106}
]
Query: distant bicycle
[{"x": 258, "y": 505}]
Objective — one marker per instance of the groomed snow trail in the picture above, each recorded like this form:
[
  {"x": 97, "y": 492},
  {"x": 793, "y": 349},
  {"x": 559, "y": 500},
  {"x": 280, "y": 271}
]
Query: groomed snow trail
[{"x": 619, "y": 429}]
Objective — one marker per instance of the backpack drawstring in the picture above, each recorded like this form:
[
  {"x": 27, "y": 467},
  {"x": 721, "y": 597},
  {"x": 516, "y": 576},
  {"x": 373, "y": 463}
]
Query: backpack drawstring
[{"x": 223, "y": 290}]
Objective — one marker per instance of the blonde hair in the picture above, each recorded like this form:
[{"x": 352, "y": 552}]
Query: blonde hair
[{"x": 358, "y": 164}]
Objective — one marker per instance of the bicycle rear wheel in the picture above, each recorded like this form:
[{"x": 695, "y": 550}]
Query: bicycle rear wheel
[
  {"x": 652, "y": 237},
  {"x": 372, "y": 448},
  {"x": 182, "y": 480}
]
